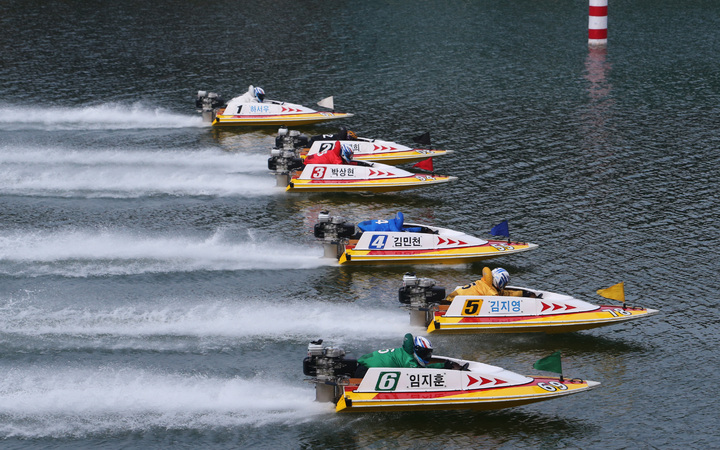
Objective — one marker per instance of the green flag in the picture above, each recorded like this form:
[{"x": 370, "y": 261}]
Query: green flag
[{"x": 550, "y": 363}]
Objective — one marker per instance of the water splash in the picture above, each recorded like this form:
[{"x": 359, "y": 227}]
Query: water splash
[
  {"x": 131, "y": 173},
  {"x": 109, "y": 116},
  {"x": 67, "y": 402},
  {"x": 156, "y": 327},
  {"x": 83, "y": 253}
]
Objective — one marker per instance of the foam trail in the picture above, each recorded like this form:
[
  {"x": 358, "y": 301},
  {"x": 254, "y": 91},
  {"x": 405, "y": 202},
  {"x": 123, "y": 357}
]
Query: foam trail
[
  {"x": 215, "y": 323},
  {"x": 109, "y": 116},
  {"x": 131, "y": 173},
  {"x": 90, "y": 253},
  {"x": 65, "y": 402}
]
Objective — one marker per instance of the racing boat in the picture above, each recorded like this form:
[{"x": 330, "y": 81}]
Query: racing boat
[
  {"x": 364, "y": 149},
  {"x": 249, "y": 110},
  {"x": 349, "y": 178},
  {"x": 394, "y": 241},
  {"x": 534, "y": 311},
  {"x": 472, "y": 385},
  {"x": 292, "y": 173}
]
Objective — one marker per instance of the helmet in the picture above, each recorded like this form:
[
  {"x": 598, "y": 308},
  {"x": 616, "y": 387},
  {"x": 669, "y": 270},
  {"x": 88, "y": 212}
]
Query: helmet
[
  {"x": 351, "y": 135},
  {"x": 346, "y": 153},
  {"x": 423, "y": 350},
  {"x": 259, "y": 94},
  {"x": 500, "y": 278}
]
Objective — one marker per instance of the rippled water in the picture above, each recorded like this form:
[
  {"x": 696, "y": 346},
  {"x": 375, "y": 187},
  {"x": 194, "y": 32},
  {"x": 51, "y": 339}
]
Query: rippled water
[{"x": 157, "y": 290}]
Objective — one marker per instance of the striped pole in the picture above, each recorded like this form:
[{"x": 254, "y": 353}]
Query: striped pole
[{"x": 597, "y": 25}]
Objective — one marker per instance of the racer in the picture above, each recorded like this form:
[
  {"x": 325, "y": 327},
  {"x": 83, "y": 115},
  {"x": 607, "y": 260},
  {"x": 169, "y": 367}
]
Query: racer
[
  {"x": 253, "y": 95},
  {"x": 415, "y": 352},
  {"x": 493, "y": 282},
  {"x": 339, "y": 154},
  {"x": 343, "y": 135}
]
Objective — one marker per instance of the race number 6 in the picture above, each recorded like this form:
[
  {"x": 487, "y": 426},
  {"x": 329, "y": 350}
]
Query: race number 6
[{"x": 387, "y": 381}]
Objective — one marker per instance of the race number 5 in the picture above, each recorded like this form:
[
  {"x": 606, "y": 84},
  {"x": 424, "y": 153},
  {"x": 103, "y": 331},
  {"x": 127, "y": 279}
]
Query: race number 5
[
  {"x": 318, "y": 172},
  {"x": 472, "y": 306}
]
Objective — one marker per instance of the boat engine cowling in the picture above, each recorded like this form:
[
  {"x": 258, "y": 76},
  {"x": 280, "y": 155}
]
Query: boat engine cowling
[
  {"x": 327, "y": 363},
  {"x": 329, "y": 369},
  {"x": 333, "y": 229},
  {"x": 206, "y": 103},
  {"x": 420, "y": 293},
  {"x": 291, "y": 139}
]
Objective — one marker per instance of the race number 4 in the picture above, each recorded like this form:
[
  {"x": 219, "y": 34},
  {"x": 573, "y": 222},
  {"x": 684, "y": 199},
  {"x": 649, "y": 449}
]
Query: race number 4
[{"x": 378, "y": 242}]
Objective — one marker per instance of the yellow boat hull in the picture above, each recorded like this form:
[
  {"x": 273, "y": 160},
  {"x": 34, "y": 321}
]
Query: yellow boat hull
[
  {"x": 555, "y": 323},
  {"x": 481, "y": 399},
  {"x": 222, "y": 120},
  {"x": 460, "y": 255},
  {"x": 369, "y": 185}
]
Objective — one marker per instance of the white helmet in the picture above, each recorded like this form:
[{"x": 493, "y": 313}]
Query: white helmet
[
  {"x": 500, "y": 278},
  {"x": 423, "y": 350},
  {"x": 259, "y": 94}
]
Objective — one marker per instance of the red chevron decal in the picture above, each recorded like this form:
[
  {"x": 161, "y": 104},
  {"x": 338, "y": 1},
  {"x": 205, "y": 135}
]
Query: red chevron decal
[
  {"x": 485, "y": 381},
  {"x": 569, "y": 307},
  {"x": 556, "y": 307},
  {"x": 451, "y": 242},
  {"x": 471, "y": 380},
  {"x": 375, "y": 147},
  {"x": 441, "y": 241},
  {"x": 545, "y": 306},
  {"x": 462, "y": 242},
  {"x": 500, "y": 381},
  {"x": 372, "y": 173}
]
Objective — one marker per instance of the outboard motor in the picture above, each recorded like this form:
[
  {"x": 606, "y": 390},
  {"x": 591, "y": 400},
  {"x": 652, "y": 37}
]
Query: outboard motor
[
  {"x": 334, "y": 232},
  {"x": 291, "y": 139},
  {"x": 284, "y": 158},
  {"x": 421, "y": 295},
  {"x": 207, "y": 103},
  {"x": 329, "y": 369}
]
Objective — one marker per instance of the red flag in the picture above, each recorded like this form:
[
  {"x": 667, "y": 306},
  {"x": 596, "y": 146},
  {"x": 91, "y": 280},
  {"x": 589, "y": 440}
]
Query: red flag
[{"x": 425, "y": 164}]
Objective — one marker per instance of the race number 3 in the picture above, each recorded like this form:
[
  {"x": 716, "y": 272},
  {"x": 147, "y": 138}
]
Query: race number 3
[
  {"x": 318, "y": 172},
  {"x": 472, "y": 306},
  {"x": 387, "y": 381}
]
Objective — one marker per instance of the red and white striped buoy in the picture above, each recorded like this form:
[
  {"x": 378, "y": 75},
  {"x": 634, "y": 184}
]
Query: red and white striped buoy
[{"x": 597, "y": 25}]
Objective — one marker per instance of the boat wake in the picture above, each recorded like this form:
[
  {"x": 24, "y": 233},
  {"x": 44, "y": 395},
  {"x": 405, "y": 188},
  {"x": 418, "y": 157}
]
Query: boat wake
[
  {"x": 131, "y": 173},
  {"x": 186, "y": 326},
  {"x": 109, "y": 116},
  {"x": 59, "y": 402},
  {"x": 86, "y": 253}
]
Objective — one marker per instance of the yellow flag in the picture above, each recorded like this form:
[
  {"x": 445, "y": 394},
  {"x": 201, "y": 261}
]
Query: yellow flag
[{"x": 614, "y": 292}]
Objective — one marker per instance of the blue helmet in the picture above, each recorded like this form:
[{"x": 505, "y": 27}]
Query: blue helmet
[
  {"x": 346, "y": 153},
  {"x": 500, "y": 278},
  {"x": 259, "y": 94},
  {"x": 423, "y": 350}
]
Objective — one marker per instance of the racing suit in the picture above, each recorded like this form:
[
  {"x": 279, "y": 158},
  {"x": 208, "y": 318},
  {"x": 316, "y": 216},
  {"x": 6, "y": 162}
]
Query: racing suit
[{"x": 483, "y": 286}]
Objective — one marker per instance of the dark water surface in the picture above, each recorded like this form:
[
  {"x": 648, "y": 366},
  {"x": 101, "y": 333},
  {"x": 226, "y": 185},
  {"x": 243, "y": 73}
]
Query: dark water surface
[{"x": 157, "y": 290}]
